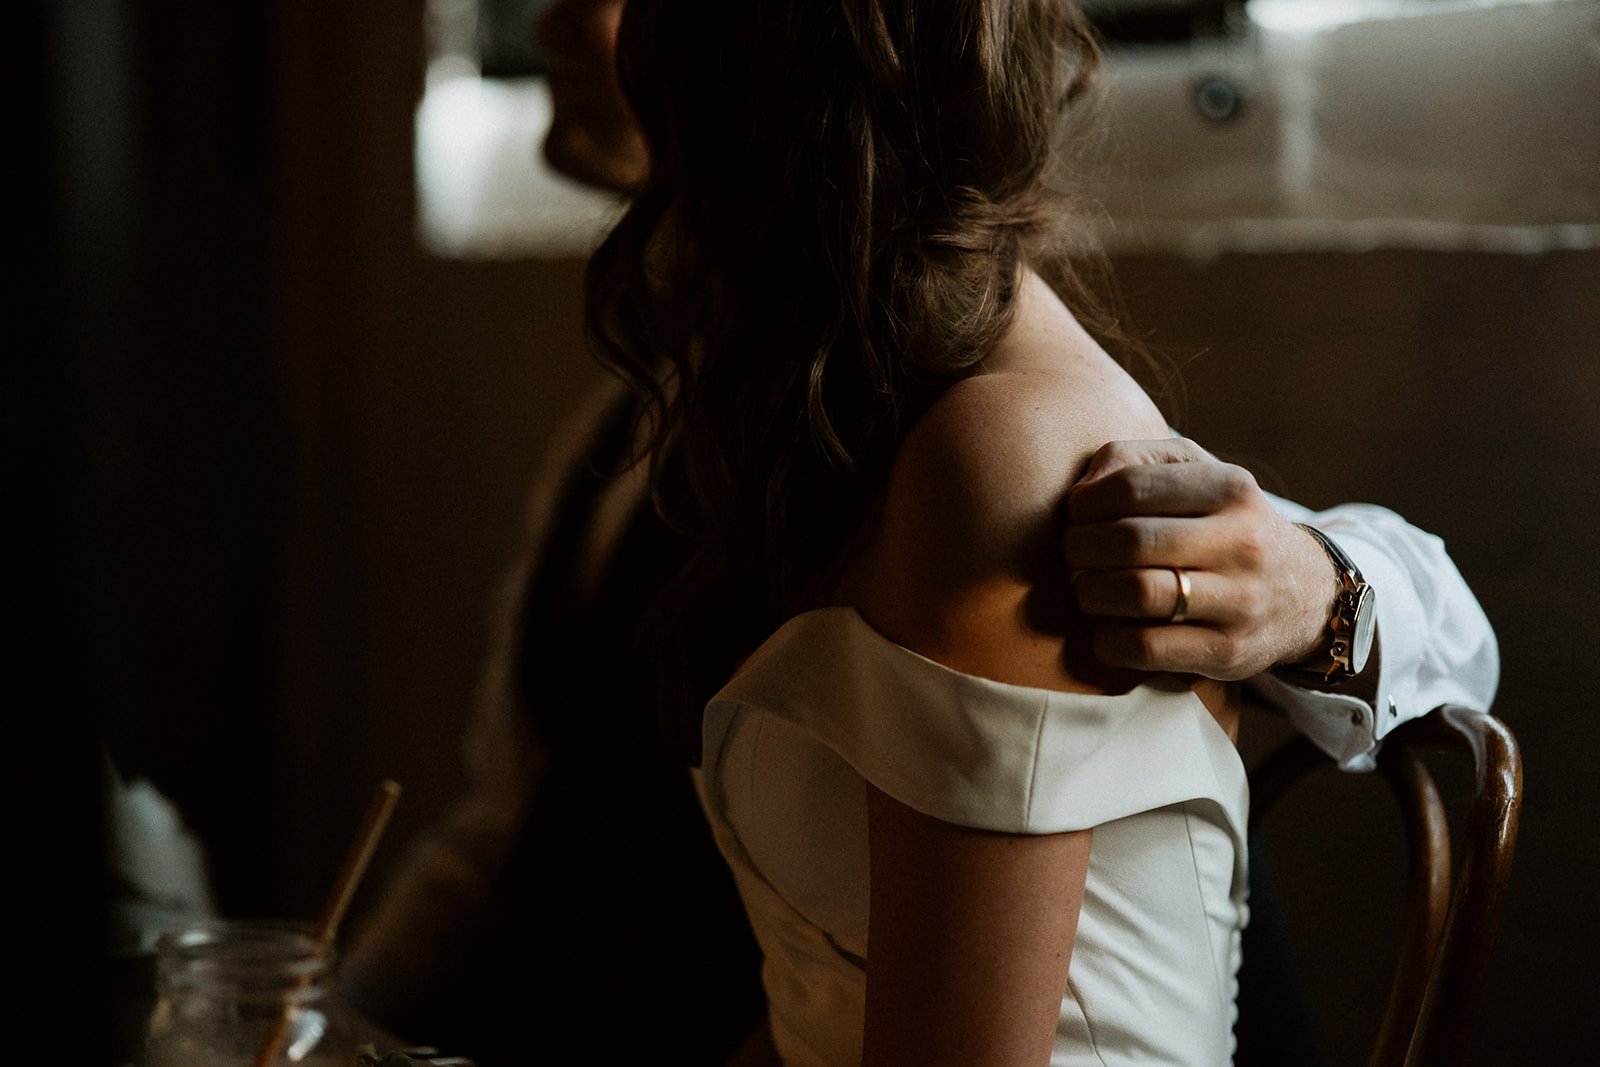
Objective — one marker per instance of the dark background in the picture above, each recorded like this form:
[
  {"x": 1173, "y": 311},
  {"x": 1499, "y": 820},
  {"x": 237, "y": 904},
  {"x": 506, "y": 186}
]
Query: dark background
[{"x": 272, "y": 456}]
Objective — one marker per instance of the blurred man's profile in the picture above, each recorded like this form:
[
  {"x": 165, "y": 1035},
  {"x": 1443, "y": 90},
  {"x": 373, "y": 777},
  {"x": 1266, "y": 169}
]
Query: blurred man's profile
[{"x": 592, "y": 136}]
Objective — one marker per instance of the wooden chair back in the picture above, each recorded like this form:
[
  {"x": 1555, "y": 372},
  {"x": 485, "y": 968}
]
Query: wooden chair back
[{"x": 1452, "y": 911}]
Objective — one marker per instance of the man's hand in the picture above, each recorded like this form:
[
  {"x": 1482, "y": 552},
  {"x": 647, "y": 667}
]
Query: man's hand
[{"x": 1260, "y": 588}]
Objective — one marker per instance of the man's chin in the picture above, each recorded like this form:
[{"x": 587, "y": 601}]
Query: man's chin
[{"x": 614, "y": 164}]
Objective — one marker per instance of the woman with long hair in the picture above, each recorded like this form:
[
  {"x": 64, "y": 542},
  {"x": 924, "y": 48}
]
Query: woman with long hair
[{"x": 868, "y": 388}]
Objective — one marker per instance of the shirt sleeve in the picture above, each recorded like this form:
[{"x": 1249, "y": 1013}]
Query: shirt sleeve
[{"x": 1434, "y": 644}]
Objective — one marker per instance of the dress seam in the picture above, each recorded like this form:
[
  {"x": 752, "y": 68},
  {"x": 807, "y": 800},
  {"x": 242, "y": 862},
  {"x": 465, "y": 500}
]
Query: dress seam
[
  {"x": 1200, "y": 898},
  {"x": 1088, "y": 1027},
  {"x": 1038, "y": 754}
]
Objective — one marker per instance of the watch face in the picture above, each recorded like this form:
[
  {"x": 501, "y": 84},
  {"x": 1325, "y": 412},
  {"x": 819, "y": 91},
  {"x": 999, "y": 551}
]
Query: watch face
[{"x": 1365, "y": 626}]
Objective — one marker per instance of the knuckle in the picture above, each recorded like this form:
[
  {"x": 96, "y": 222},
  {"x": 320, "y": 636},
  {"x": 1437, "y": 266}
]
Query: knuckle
[
  {"x": 1140, "y": 487},
  {"x": 1125, "y": 487},
  {"x": 1128, "y": 485},
  {"x": 1119, "y": 536},
  {"x": 1108, "y": 496},
  {"x": 1115, "y": 450},
  {"x": 1250, "y": 550},
  {"x": 1250, "y": 600},
  {"x": 1238, "y": 485},
  {"x": 1144, "y": 539},
  {"x": 1226, "y": 651}
]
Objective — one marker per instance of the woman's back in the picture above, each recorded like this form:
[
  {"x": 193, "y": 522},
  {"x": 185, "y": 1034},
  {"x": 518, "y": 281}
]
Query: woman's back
[{"x": 850, "y": 760}]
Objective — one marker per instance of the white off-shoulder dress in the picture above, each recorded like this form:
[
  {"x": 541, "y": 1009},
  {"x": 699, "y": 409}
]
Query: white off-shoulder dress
[{"x": 828, "y": 703}]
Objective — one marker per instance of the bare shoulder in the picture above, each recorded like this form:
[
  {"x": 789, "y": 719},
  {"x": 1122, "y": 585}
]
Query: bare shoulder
[
  {"x": 1022, "y": 428},
  {"x": 964, "y": 563},
  {"x": 993, "y": 457},
  {"x": 1007, "y": 444}
]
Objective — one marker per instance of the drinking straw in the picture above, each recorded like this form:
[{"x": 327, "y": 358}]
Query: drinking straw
[
  {"x": 344, "y": 888},
  {"x": 356, "y": 860}
]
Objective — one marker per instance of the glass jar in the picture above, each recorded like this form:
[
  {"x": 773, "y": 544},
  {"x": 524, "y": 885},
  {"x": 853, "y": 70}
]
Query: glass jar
[{"x": 226, "y": 991}]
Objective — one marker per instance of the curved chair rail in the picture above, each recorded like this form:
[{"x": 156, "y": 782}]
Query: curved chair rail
[{"x": 1451, "y": 922}]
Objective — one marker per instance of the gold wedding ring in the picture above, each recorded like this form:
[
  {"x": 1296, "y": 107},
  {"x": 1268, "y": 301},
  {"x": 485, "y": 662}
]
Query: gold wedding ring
[{"x": 1180, "y": 609}]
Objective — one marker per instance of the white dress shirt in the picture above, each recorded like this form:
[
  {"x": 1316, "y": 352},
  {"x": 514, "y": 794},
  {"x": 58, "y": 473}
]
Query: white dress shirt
[{"x": 1434, "y": 645}]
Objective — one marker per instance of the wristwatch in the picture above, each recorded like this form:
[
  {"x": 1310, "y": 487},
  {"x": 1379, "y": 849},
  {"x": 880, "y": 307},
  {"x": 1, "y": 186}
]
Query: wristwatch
[{"x": 1351, "y": 623}]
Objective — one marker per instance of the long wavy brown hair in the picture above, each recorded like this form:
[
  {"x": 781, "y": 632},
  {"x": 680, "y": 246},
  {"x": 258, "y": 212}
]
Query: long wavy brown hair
[{"x": 842, "y": 196}]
